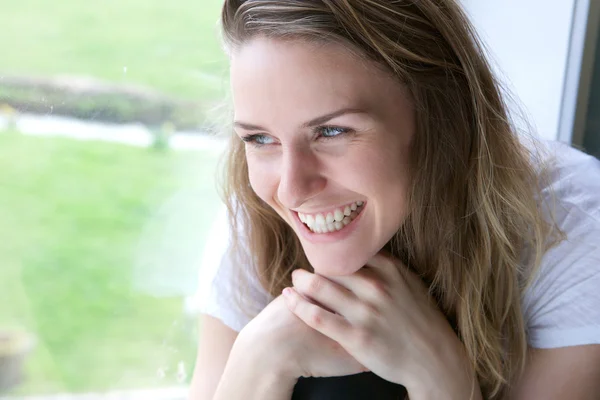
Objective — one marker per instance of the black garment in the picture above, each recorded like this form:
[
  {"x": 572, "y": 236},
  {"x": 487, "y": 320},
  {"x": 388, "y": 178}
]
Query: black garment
[{"x": 363, "y": 386}]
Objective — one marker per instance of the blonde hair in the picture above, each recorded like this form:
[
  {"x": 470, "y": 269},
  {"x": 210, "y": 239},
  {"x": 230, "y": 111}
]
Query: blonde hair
[{"x": 468, "y": 228}]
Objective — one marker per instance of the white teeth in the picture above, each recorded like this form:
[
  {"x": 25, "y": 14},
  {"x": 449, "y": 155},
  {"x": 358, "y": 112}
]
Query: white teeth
[
  {"x": 319, "y": 219},
  {"x": 329, "y": 218},
  {"x": 333, "y": 221}
]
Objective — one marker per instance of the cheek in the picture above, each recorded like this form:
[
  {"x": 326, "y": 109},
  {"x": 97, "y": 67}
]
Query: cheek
[
  {"x": 375, "y": 173},
  {"x": 263, "y": 179}
]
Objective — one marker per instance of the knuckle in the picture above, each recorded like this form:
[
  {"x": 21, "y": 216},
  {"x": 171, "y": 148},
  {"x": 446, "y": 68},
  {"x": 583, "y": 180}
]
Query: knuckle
[
  {"x": 315, "y": 284},
  {"x": 315, "y": 317},
  {"x": 377, "y": 289},
  {"x": 368, "y": 313},
  {"x": 363, "y": 338}
]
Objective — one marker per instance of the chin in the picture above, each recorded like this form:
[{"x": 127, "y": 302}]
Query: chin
[{"x": 335, "y": 265}]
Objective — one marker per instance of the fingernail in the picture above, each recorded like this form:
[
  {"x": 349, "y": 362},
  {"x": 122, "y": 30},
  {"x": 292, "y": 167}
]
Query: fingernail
[{"x": 287, "y": 291}]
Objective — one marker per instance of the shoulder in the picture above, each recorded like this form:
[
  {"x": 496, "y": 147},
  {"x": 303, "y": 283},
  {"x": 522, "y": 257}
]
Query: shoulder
[
  {"x": 228, "y": 288},
  {"x": 562, "y": 305},
  {"x": 571, "y": 195},
  {"x": 574, "y": 178}
]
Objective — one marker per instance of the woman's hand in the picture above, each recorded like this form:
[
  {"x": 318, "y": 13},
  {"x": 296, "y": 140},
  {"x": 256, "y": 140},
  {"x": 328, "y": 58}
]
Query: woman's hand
[
  {"x": 278, "y": 341},
  {"x": 383, "y": 316}
]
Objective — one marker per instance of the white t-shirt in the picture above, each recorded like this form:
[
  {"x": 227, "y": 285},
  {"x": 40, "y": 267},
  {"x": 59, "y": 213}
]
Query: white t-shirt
[{"x": 562, "y": 305}]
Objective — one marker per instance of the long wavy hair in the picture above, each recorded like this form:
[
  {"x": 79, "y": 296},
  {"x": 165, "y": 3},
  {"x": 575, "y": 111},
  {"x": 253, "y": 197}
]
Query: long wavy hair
[{"x": 476, "y": 230}]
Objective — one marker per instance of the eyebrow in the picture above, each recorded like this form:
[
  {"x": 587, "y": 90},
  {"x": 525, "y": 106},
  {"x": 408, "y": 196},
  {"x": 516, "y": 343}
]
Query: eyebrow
[{"x": 313, "y": 122}]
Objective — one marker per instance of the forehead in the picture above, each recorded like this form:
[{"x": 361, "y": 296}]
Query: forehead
[{"x": 308, "y": 78}]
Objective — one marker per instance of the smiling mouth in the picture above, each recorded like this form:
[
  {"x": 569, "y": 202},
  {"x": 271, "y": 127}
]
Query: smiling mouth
[{"x": 333, "y": 221}]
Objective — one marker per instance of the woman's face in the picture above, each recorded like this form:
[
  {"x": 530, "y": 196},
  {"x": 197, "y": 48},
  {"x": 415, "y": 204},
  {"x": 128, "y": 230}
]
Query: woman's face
[{"x": 327, "y": 143}]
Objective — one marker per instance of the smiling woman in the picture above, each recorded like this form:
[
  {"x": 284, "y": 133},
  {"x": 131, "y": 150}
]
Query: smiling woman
[
  {"x": 376, "y": 181},
  {"x": 294, "y": 168}
]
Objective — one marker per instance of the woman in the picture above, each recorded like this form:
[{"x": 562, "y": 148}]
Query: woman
[{"x": 373, "y": 157}]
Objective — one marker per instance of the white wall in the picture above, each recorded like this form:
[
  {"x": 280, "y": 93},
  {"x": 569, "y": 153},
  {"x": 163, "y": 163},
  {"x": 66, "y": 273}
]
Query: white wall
[{"x": 529, "y": 43}]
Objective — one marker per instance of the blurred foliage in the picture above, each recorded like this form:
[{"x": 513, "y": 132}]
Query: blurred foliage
[
  {"x": 171, "y": 47},
  {"x": 116, "y": 106}
]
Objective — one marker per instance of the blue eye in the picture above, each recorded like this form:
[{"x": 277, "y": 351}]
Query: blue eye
[
  {"x": 258, "y": 140},
  {"x": 330, "y": 132}
]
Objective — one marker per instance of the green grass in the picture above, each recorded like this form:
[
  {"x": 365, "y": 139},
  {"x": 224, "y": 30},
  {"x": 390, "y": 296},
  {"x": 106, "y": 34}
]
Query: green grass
[
  {"x": 98, "y": 242},
  {"x": 75, "y": 219},
  {"x": 172, "y": 45}
]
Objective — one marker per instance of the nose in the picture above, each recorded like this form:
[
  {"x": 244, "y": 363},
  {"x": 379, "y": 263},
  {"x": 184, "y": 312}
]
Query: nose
[{"x": 301, "y": 177}]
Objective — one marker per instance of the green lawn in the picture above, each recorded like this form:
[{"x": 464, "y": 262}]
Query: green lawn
[
  {"x": 99, "y": 242},
  {"x": 171, "y": 45},
  {"x": 74, "y": 223}
]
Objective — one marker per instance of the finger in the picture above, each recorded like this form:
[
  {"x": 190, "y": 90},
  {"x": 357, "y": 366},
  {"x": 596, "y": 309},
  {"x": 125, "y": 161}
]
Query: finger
[
  {"x": 392, "y": 268},
  {"x": 321, "y": 320},
  {"x": 395, "y": 269},
  {"x": 386, "y": 265},
  {"x": 323, "y": 291},
  {"x": 368, "y": 286}
]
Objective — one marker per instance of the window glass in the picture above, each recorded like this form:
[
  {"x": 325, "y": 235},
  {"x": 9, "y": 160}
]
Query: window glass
[{"x": 107, "y": 191}]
